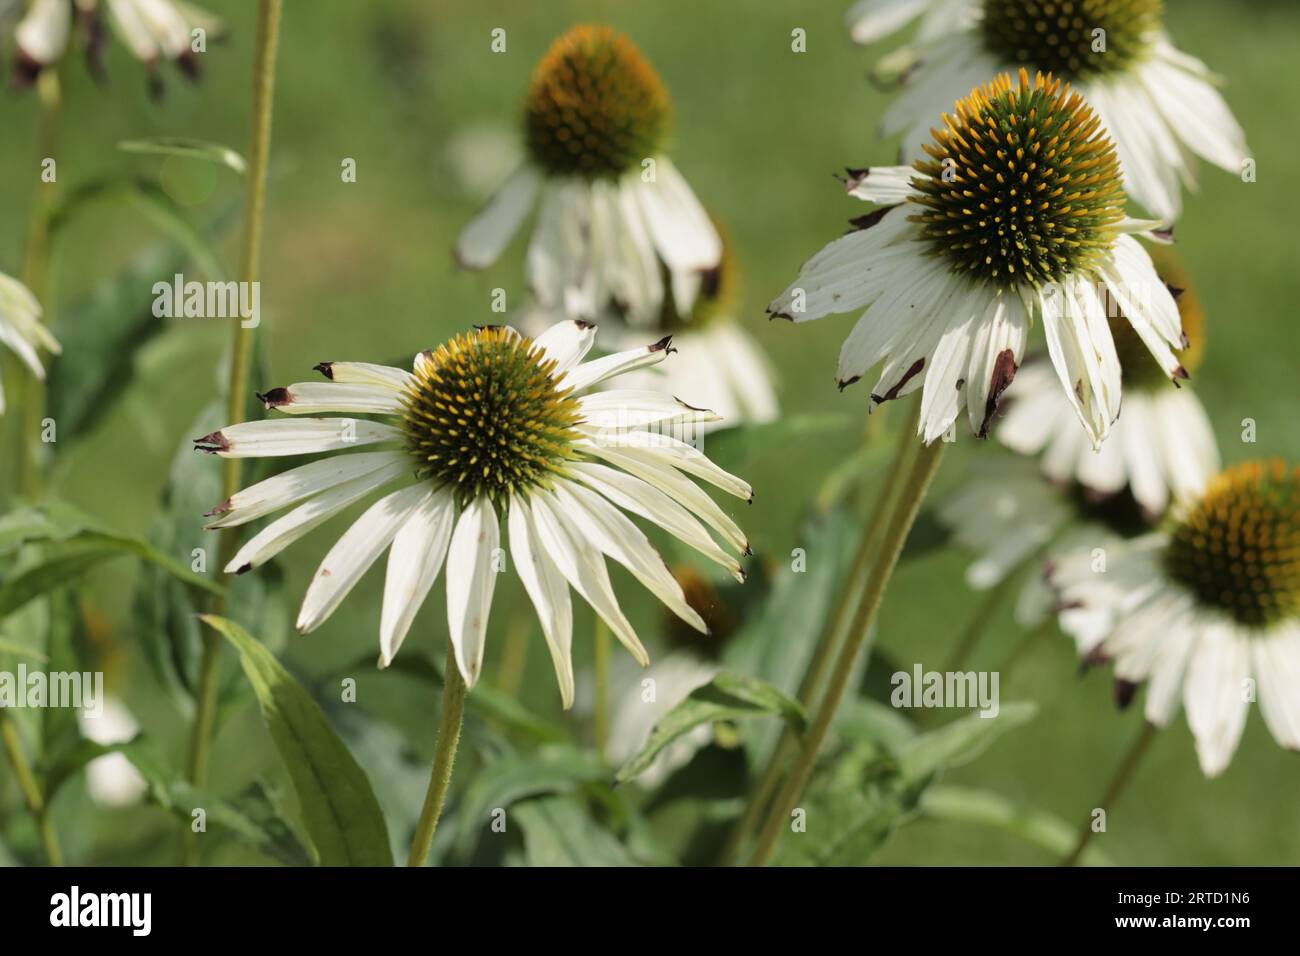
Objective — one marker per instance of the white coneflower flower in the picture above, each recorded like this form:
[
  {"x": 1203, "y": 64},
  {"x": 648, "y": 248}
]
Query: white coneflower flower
[
  {"x": 1020, "y": 213},
  {"x": 1162, "y": 449},
  {"x": 153, "y": 30},
  {"x": 613, "y": 206},
  {"x": 488, "y": 426},
  {"x": 1159, "y": 104},
  {"x": 1208, "y": 611},
  {"x": 21, "y": 329}
]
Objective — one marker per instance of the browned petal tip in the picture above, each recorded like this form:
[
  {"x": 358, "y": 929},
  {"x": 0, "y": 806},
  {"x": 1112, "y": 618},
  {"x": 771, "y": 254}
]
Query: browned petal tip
[
  {"x": 844, "y": 383},
  {"x": 243, "y": 569},
  {"x": 274, "y": 398},
  {"x": 212, "y": 443},
  {"x": 779, "y": 315},
  {"x": 326, "y": 369},
  {"x": 219, "y": 509},
  {"x": 584, "y": 324},
  {"x": 870, "y": 219},
  {"x": 853, "y": 177},
  {"x": 1181, "y": 373},
  {"x": 1004, "y": 370},
  {"x": 1165, "y": 234},
  {"x": 1125, "y": 691},
  {"x": 664, "y": 345},
  {"x": 1175, "y": 291}
]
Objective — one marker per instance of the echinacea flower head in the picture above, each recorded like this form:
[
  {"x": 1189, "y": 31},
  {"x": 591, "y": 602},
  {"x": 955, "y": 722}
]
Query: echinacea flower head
[
  {"x": 491, "y": 426},
  {"x": 1017, "y": 214},
  {"x": 596, "y": 107},
  {"x": 1206, "y": 611},
  {"x": 1160, "y": 105},
  {"x": 1162, "y": 448},
  {"x": 614, "y": 211},
  {"x": 152, "y": 30},
  {"x": 21, "y": 329}
]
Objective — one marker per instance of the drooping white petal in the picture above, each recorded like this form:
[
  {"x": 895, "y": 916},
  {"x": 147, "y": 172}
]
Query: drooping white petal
[
  {"x": 1216, "y": 695},
  {"x": 681, "y": 229},
  {"x": 354, "y": 553},
  {"x": 414, "y": 561},
  {"x": 641, "y": 498},
  {"x": 665, "y": 449},
  {"x": 42, "y": 35},
  {"x": 284, "y": 531},
  {"x": 627, "y": 408},
  {"x": 547, "y": 589},
  {"x": 1196, "y": 111},
  {"x": 290, "y": 487},
  {"x": 1276, "y": 665},
  {"x": 676, "y": 486},
  {"x": 558, "y": 264},
  {"x": 472, "y": 562},
  {"x": 613, "y": 534},
  {"x": 483, "y": 240},
  {"x": 275, "y": 438},
  {"x": 869, "y": 20},
  {"x": 583, "y": 567}
]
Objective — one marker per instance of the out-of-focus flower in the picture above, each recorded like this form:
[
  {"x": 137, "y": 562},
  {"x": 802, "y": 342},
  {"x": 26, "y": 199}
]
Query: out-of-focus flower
[
  {"x": 1159, "y": 104},
  {"x": 21, "y": 329},
  {"x": 1207, "y": 612},
  {"x": 613, "y": 207},
  {"x": 111, "y": 779},
  {"x": 152, "y": 30}
]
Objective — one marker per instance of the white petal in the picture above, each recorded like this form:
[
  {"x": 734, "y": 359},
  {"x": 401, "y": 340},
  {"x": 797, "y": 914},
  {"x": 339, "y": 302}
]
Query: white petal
[
  {"x": 290, "y": 487},
  {"x": 482, "y": 241},
  {"x": 641, "y": 498},
  {"x": 304, "y": 398},
  {"x": 886, "y": 185},
  {"x": 546, "y": 588},
  {"x": 602, "y": 369},
  {"x": 307, "y": 436},
  {"x": 681, "y": 229},
  {"x": 284, "y": 531},
  {"x": 626, "y": 408},
  {"x": 1277, "y": 668},
  {"x": 610, "y": 531},
  {"x": 354, "y": 553},
  {"x": 413, "y": 565},
  {"x": 869, "y": 20},
  {"x": 1216, "y": 695},
  {"x": 567, "y": 342},
  {"x": 42, "y": 35},
  {"x": 471, "y": 579},
  {"x": 667, "y": 450},
  {"x": 366, "y": 373},
  {"x": 995, "y": 357},
  {"x": 583, "y": 567}
]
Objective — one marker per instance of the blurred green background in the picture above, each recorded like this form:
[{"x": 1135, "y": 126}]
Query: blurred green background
[{"x": 363, "y": 271}]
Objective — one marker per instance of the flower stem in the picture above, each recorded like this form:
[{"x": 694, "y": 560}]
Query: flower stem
[
  {"x": 31, "y": 790},
  {"x": 828, "y": 641},
  {"x": 36, "y": 270},
  {"x": 902, "y": 516},
  {"x": 268, "y": 37},
  {"x": 453, "y": 716},
  {"x": 601, "y": 667},
  {"x": 1123, "y": 774}
]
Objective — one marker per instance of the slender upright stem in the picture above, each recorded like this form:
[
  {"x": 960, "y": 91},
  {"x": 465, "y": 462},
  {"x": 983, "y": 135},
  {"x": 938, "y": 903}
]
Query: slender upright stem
[
  {"x": 827, "y": 642},
  {"x": 600, "y": 665},
  {"x": 1123, "y": 774},
  {"x": 259, "y": 150},
  {"x": 444, "y": 757},
  {"x": 36, "y": 271},
  {"x": 31, "y": 790},
  {"x": 902, "y": 516}
]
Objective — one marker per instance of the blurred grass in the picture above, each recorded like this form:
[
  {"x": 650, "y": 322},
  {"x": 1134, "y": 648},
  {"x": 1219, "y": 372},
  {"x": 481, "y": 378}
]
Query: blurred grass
[{"x": 362, "y": 271}]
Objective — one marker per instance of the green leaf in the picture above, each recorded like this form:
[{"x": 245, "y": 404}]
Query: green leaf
[
  {"x": 960, "y": 741},
  {"x": 61, "y": 561},
  {"x": 559, "y": 832},
  {"x": 188, "y": 148},
  {"x": 250, "y": 818},
  {"x": 861, "y": 794},
  {"x": 726, "y": 697},
  {"x": 968, "y": 805},
  {"x": 515, "y": 777},
  {"x": 339, "y": 808},
  {"x": 20, "y": 650}
]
